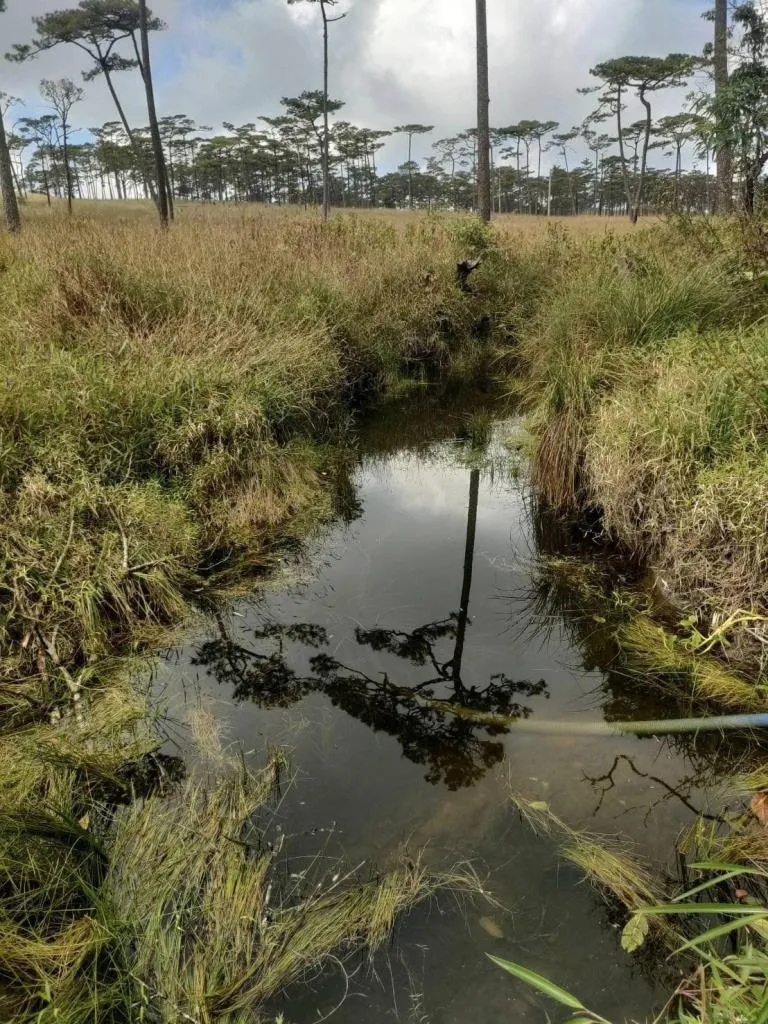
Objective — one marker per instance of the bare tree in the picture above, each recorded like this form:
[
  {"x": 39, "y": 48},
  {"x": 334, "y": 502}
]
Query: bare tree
[
  {"x": 62, "y": 95},
  {"x": 483, "y": 112},
  {"x": 326, "y": 161}
]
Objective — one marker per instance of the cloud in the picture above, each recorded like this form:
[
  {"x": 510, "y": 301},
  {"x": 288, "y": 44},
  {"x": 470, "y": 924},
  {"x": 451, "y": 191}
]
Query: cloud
[{"x": 392, "y": 60}]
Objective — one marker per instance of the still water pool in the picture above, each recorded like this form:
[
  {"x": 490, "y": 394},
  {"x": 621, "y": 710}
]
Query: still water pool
[{"x": 442, "y": 578}]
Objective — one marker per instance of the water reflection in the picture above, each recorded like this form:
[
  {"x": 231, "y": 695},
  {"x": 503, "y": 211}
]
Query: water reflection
[
  {"x": 456, "y": 751},
  {"x": 590, "y": 590}
]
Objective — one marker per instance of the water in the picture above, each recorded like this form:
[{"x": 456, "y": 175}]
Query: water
[{"x": 432, "y": 581}]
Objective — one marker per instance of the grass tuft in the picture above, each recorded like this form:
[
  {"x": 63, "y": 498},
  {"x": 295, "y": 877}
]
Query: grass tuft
[{"x": 697, "y": 676}]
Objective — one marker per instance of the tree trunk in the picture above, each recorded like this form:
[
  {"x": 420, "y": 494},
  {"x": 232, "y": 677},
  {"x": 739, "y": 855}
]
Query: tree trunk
[
  {"x": 623, "y": 154},
  {"x": 571, "y": 189},
  {"x": 326, "y": 130},
  {"x": 634, "y": 213},
  {"x": 124, "y": 120},
  {"x": 67, "y": 169},
  {"x": 678, "y": 174},
  {"x": 748, "y": 193},
  {"x": 10, "y": 202},
  {"x": 45, "y": 178},
  {"x": 519, "y": 185},
  {"x": 724, "y": 154},
  {"x": 483, "y": 107},
  {"x": 157, "y": 145},
  {"x": 410, "y": 171}
]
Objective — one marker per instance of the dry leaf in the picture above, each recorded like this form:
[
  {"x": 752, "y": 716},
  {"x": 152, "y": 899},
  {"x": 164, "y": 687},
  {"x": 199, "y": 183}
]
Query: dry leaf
[{"x": 759, "y": 807}]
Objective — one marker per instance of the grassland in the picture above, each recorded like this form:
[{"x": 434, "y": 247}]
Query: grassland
[
  {"x": 643, "y": 366},
  {"x": 171, "y": 409}
]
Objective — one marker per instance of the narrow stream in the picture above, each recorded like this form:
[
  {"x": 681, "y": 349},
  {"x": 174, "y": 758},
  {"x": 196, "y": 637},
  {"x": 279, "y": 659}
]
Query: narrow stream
[{"x": 433, "y": 581}]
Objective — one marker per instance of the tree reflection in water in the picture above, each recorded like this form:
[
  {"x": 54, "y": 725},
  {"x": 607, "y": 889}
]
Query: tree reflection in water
[{"x": 456, "y": 751}]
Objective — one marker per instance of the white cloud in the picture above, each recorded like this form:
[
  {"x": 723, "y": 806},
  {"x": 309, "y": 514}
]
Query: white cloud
[{"x": 392, "y": 60}]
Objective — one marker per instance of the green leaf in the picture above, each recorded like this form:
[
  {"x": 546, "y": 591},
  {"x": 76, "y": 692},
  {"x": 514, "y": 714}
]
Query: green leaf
[
  {"x": 537, "y": 981},
  {"x": 538, "y": 805},
  {"x": 709, "y": 883},
  {"x": 635, "y": 931},
  {"x": 701, "y": 908},
  {"x": 715, "y": 933},
  {"x": 720, "y": 865}
]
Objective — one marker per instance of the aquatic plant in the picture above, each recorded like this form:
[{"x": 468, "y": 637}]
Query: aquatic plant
[
  {"x": 608, "y": 864},
  {"x": 717, "y": 928},
  {"x": 666, "y": 657},
  {"x": 548, "y": 988},
  {"x": 173, "y": 904}
]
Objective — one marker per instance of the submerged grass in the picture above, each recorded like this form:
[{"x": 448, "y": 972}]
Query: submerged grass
[
  {"x": 700, "y": 677},
  {"x": 172, "y": 906},
  {"x": 605, "y": 862},
  {"x": 712, "y": 925}
]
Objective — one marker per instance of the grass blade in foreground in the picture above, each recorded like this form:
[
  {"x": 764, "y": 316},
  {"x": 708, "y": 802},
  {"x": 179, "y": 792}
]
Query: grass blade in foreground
[{"x": 548, "y": 987}]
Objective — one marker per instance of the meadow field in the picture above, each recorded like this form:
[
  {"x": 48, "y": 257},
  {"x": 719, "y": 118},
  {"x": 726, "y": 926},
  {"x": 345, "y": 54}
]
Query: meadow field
[{"x": 174, "y": 410}]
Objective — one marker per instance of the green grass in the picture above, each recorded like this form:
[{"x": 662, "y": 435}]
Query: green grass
[
  {"x": 713, "y": 928},
  {"x": 169, "y": 406},
  {"x": 704, "y": 679}
]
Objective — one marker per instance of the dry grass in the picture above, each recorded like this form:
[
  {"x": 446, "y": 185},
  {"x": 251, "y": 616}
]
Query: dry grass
[
  {"x": 676, "y": 456},
  {"x": 581, "y": 226}
]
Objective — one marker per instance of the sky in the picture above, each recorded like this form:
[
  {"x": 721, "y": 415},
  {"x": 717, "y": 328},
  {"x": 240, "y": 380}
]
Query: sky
[{"x": 392, "y": 61}]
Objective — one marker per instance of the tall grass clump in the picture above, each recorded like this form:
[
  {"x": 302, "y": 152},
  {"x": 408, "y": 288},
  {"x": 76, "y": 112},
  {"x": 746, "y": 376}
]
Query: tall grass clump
[
  {"x": 607, "y": 307},
  {"x": 676, "y": 460},
  {"x": 644, "y": 370}
]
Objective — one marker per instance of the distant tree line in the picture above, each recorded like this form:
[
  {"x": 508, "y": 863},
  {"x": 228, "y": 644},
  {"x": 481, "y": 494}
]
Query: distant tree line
[{"x": 279, "y": 160}]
